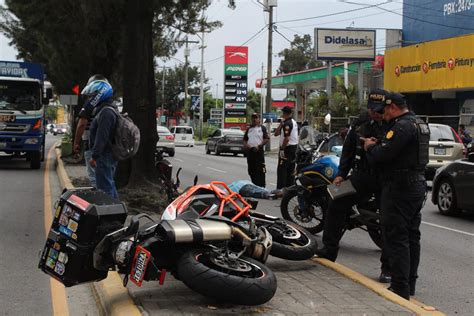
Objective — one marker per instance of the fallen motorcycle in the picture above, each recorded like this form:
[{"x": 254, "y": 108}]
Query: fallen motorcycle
[
  {"x": 209, "y": 238},
  {"x": 306, "y": 202}
]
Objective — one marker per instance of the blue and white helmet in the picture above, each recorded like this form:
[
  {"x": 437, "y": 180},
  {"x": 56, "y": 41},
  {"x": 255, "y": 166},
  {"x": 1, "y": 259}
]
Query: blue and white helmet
[{"x": 97, "y": 91}]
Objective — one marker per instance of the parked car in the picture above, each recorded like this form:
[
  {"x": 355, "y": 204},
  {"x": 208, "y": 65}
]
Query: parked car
[
  {"x": 453, "y": 186},
  {"x": 166, "y": 141},
  {"x": 445, "y": 146},
  {"x": 226, "y": 141},
  {"x": 62, "y": 128},
  {"x": 183, "y": 135},
  {"x": 49, "y": 127}
]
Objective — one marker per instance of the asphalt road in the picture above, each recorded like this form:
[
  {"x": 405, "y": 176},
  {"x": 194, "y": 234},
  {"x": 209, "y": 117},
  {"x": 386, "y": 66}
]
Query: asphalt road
[
  {"x": 446, "y": 279},
  {"x": 24, "y": 289}
]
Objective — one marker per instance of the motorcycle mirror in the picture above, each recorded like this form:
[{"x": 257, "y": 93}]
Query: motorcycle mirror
[
  {"x": 195, "y": 180},
  {"x": 327, "y": 119},
  {"x": 304, "y": 133},
  {"x": 134, "y": 225}
]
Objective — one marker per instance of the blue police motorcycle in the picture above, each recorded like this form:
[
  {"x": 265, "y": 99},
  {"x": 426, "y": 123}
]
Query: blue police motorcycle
[{"x": 305, "y": 203}]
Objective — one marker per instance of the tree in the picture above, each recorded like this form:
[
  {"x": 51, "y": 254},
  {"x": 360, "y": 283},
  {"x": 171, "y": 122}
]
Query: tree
[
  {"x": 345, "y": 101},
  {"x": 300, "y": 56},
  {"x": 118, "y": 38},
  {"x": 254, "y": 102}
]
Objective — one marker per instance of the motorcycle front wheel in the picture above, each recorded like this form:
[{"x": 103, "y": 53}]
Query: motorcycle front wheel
[
  {"x": 291, "y": 242},
  {"x": 242, "y": 280},
  {"x": 312, "y": 220}
]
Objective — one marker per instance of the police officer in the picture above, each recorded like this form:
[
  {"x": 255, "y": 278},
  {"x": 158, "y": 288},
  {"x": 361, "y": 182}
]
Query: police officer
[
  {"x": 403, "y": 154},
  {"x": 288, "y": 132},
  {"x": 255, "y": 138},
  {"x": 364, "y": 178}
]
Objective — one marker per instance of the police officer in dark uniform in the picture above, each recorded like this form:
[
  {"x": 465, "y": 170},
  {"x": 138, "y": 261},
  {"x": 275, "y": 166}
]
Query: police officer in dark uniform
[
  {"x": 403, "y": 154},
  {"x": 364, "y": 178},
  {"x": 288, "y": 132}
]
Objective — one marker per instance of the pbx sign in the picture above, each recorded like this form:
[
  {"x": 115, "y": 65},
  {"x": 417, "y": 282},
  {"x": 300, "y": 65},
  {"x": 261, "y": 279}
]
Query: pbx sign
[{"x": 235, "y": 85}]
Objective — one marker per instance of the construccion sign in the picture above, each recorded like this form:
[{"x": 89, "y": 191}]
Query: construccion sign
[{"x": 344, "y": 44}]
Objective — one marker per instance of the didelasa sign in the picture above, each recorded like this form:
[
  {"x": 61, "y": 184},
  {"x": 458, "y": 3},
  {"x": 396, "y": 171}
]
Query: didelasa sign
[{"x": 345, "y": 44}]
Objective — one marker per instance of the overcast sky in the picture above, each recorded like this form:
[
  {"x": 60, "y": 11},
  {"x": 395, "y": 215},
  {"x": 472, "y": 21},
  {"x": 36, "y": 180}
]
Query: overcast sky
[{"x": 248, "y": 18}]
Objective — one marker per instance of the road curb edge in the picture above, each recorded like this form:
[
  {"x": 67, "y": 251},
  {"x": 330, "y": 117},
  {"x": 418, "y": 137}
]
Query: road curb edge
[
  {"x": 111, "y": 296},
  {"x": 379, "y": 288}
]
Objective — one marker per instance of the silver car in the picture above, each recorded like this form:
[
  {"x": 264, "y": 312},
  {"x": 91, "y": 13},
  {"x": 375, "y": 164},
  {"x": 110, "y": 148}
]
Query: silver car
[
  {"x": 445, "y": 147},
  {"x": 166, "y": 141}
]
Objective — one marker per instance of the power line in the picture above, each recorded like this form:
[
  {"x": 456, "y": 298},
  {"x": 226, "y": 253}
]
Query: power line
[
  {"x": 335, "y": 13},
  {"x": 247, "y": 41}
]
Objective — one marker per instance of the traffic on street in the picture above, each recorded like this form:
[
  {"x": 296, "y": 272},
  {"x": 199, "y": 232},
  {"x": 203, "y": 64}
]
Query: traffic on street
[{"x": 231, "y": 157}]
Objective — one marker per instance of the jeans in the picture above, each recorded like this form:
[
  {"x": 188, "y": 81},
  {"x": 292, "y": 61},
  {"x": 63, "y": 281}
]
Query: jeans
[
  {"x": 104, "y": 173},
  {"x": 89, "y": 168},
  {"x": 252, "y": 190}
]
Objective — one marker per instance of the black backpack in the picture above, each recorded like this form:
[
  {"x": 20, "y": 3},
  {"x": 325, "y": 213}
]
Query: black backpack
[{"x": 126, "y": 139}]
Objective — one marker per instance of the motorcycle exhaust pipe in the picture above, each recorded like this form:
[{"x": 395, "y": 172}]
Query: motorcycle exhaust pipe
[{"x": 198, "y": 230}]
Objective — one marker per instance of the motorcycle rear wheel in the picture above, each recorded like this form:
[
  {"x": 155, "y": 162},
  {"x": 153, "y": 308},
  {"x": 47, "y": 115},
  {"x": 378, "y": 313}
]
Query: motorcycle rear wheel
[
  {"x": 290, "y": 211},
  {"x": 292, "y": 242},
  {"x": 242, "y": 281}
]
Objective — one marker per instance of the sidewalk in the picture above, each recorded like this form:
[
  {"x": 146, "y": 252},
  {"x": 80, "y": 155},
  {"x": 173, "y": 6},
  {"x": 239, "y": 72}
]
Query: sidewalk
[{"x": 305, "y": 287}]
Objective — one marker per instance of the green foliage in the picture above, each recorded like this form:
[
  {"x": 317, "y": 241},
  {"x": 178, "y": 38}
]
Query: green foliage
[
  {"x": 174, "y": 87},
  {"x": 300, "y": 56},
  {"x": 345, "y": 100},
  {"x": 51, "y": 113}
]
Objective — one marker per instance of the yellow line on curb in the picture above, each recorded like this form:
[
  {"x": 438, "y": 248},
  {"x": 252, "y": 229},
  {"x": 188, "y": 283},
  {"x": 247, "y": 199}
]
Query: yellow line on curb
[
  {"x": 412, "y": 305},
  {"x": 58, "y": 291},
  {"x": 113, "y": 297}
]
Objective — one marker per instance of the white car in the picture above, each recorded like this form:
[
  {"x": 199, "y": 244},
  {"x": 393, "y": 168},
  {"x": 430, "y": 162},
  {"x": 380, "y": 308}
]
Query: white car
[
  {"x": 183, "y": 135},
  {"x": 166, "y": 141}
]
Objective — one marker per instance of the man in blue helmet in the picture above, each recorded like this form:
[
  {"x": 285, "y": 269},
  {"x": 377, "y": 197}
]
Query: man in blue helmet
[
  {"x": 98, "y": 94},
  {"x": 81, "y": 138}
]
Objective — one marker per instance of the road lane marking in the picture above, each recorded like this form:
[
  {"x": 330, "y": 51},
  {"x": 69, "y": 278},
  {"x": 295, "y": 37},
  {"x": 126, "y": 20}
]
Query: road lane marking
[
  {"x": 180, "y": 160},
  {"x": 447, "y": 228},
  {"x": 58, "y": 291},
  {"x": 217, "y": 170},
  {"x": 270, "y": 183}
]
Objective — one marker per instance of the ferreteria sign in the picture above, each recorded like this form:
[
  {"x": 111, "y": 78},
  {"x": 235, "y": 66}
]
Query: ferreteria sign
[
  {"x": 344, "y": 44},
  {"x": 436, "y": 65}
]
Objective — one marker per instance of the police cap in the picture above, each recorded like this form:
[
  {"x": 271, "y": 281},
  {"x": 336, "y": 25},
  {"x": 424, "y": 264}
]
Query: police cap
[
  {"x": 376, "y": 100},
  {"x": 287, "y": 110},
  {"x": 396, "y": 98}
]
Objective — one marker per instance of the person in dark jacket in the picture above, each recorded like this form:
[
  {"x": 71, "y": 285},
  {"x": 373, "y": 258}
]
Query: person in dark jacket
[
  {"x": 364, "y": 178},
  {"x": 99, "y": 96},
  {"x": 403, "y": 155},
  {"x": 81, "y": 138}
]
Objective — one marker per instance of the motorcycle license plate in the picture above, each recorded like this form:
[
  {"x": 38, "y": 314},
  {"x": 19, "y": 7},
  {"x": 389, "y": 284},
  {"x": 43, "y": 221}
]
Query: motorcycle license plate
[
  {"x": 440, "y": 151},
  {"x": 7, "y": 118},
  {"x": 140, "y": 262}
]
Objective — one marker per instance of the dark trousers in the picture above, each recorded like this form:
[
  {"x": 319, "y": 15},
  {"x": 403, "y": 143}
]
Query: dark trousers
[
  {"x": 286, "y": 167},
  {"x": 401, "y": 219},
  {"x": 256, "y": 166},
  {"x": 366, "y": 185}
]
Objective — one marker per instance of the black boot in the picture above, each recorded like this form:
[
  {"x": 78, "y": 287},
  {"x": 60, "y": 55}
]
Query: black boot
[
  {"x": 385, "y": 277},
  {"x": 326, "y": 254},
  {"x": 404, "y": 294}
]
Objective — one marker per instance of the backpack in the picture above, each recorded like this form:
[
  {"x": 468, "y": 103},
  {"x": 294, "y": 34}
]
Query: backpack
[{"x": 126, "y": 138}]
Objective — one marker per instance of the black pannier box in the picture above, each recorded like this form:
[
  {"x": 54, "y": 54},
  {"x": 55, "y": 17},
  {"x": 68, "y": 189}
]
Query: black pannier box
[{"x": 82, "y": 218}]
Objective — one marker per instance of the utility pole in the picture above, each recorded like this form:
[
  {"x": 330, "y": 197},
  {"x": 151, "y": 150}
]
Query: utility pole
[
  {"x": 201, "y": 92},
  {"x": 217, "y": 90},
  {"x": 162, "y": 93},
  {"x": 261, "y": 96},
  {"x": 268, "y": 104},
  {"x": 186, "y": 65}
]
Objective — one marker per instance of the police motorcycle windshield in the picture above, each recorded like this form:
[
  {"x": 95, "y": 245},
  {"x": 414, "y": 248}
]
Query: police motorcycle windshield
[{"x": 307, "y": 138}]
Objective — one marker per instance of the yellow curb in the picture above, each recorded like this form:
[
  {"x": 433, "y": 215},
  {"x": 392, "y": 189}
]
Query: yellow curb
[
  {"x": 417, "y": 307},
  {"x": 113, "y": 298}
]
